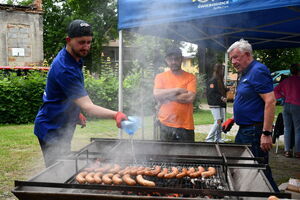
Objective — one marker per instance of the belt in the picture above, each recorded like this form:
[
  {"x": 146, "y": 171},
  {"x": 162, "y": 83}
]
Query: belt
[{"x": 255, "y": 124}]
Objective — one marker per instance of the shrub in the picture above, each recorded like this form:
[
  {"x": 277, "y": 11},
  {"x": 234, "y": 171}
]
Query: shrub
[{"x": 20, "y": 97}]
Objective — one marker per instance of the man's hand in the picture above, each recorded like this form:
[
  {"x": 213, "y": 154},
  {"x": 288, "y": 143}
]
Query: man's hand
[
  {"x": 119, "y": 117},
  {"x": 266, "y": 142},
  {"x": 81, "y": 120},
  {"x": 227, "y": 125}
]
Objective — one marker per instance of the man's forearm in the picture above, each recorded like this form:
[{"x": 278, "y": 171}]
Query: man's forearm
[
  {"x": 269, "y": 114},
  {"x": 186, "y": 97},
  {"x": 167, "y": 94}
]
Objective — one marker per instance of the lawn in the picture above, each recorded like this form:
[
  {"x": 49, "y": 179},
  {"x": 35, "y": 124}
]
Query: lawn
[{"x": 21, "y": 157}]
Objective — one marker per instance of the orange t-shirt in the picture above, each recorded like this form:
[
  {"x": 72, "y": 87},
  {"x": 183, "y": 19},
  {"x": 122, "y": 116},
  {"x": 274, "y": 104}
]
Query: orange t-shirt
[{"x": 174, "y": 114}]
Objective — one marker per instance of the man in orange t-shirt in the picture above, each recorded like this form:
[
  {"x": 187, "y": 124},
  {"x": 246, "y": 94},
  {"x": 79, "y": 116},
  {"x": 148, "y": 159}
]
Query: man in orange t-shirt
[{"x": 175, "y": 91}]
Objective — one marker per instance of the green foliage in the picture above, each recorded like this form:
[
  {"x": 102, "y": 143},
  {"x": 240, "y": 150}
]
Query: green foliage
[
  {"x": 103, "y": 91},
  {"x": 278, "y": 59},
  {"x": 20, "y": 97},
  {"x": 201, "y": 86},
  {"x": 102, "y": 15}
]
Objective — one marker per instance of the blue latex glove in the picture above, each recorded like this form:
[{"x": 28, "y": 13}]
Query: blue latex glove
[{"x": 131, "y": 125}]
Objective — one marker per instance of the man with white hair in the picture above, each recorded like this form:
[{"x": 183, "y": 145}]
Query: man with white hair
[{"x": 254, "y": 103}]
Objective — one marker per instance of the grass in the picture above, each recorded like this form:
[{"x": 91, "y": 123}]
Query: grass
[{"x": 21, "y": 157}]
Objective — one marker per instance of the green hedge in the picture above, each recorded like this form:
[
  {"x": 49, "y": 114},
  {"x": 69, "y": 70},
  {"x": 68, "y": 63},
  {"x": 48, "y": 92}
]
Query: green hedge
[{"x": 20, "y": 97}]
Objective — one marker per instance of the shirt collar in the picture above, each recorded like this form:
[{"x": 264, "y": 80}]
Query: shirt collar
[
  {"x": 249, "y": 67},
  {"x": 72, "y": 59}
]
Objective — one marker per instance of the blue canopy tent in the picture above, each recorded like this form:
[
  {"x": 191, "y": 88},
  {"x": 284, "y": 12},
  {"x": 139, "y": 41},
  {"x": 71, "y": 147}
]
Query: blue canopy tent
[
  {"x": 212, "y": 23},
  {"x": 215, "y": 23}
]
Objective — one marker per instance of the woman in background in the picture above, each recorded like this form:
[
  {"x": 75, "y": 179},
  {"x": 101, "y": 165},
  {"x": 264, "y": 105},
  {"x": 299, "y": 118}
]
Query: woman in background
[
  {"x": 216, "y": 99},
  {"x": 289, "y": 89}
]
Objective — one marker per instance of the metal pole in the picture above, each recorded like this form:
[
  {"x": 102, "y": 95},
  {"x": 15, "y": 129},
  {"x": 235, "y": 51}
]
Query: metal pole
[{"x": 120, "y": 77}]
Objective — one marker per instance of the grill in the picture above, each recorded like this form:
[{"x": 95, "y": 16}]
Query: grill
[{"x": 238, "y": 174}]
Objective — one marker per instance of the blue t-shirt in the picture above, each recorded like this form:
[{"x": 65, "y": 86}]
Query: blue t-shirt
[
  {"x": 65, "y": 82},
  {"x": 248, "y": 106}
]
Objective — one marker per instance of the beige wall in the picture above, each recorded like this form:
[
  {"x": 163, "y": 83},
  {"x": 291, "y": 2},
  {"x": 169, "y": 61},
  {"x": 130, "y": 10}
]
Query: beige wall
[{"x": 21, "y": 32}]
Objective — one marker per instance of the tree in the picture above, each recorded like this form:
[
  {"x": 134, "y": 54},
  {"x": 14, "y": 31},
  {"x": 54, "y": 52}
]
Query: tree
[
  {"x": 278, "y": 59},
  {"x": 58, "y": 14}
]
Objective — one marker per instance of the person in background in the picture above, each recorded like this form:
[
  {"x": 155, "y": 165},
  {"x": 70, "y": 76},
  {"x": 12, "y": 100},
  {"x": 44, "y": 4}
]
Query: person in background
[
  {"x": 216, "y": 99},
  {"x": 175, "y": 91},
  {"x": 65, "y": 96},
  {"x": 289, "y": 89},
  {"x": 254, "y": 103}
]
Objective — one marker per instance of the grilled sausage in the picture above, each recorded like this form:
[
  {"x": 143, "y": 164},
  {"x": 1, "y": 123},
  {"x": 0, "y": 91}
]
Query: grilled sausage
[
  {"x": 198, "y": 173},
  {"x": 106, "y": 178},
  {"x": 182, "y": 174},
  {"x": 90, "y": 177},
  {"x": 128, "y": 180},
  {"x": 191, "y": 170},
  {"x": 211, "y": 171},
  {"x": 117, "y": 179},
  {"x": 172, "y": 174},
  {"x": 162, "y": 173},
  {"x": 153, "y": 172},
  {"x": 144, "y": 171},
  {"x": 133, "y": 171},
  {"x": 144, "y": 182},
  {"x": 97, "y": 177},
  {"x": 124, "y": 171},
  {"x": 115, "y": 169},
  {"x": 103, "y": 169},
  {"x": 80, "y": 178}
]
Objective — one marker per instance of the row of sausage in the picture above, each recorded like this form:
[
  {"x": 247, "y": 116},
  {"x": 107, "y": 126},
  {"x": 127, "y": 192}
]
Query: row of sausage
[{"x": 109, "y": 174}]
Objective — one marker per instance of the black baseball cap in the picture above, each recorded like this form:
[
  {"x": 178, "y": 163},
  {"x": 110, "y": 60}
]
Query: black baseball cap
[
  {"x": 79, "y": 28},
  {"x": 173, "y": 51}
]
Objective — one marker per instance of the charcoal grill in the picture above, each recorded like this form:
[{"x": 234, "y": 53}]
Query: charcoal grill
[{"x": 239, "y": 174}]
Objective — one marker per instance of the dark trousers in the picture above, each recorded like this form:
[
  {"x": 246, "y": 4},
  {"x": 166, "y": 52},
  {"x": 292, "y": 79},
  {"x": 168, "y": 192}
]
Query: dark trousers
[
  {"x": 58, "y": 144},
  {"x": 251, "y": 135},
  {"x": 171, "y": 134}
]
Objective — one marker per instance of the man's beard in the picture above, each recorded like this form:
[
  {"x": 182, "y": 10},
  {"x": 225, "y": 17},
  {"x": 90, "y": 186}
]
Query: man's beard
[
  {"x": 79, "y": 53},
  {"x": 175, "y": 68}
]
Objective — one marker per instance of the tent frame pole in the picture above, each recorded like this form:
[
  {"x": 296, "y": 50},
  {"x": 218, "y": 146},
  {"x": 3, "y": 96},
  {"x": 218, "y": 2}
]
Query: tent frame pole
[{"x": 120, "y": 94}]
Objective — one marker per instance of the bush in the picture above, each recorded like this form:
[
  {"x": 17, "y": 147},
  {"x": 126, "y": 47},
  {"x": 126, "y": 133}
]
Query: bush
[{"x": 20, "y": 97}]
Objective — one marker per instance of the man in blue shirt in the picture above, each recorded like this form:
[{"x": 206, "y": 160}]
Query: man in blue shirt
[
  {"x": 65, "y": 96},
  {"x": 254, "y": 103}
]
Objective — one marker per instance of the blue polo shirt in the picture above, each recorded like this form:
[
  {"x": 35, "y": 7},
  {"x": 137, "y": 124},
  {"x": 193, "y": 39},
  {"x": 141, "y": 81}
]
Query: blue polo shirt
[
  {"x": 65, "y": 82},
  {"x": 248, "y": 106}
]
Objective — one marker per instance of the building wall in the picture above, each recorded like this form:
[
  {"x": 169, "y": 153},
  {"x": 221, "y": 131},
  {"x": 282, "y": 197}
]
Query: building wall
[{"x": 21, "y": 38}]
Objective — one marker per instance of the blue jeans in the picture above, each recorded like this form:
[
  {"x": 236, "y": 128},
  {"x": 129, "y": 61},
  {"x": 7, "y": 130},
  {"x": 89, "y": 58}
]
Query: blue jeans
[
  {"x": 215, "y": 132},
  {"x": 291, "y": 120},
  {"x": 251, "y": 135}
]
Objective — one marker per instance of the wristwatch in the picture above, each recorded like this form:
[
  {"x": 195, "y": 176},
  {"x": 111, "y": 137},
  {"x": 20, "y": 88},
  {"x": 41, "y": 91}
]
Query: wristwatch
[{"x": 267, "y": 133}]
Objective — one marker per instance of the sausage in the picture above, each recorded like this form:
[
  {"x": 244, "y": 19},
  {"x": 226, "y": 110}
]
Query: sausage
[
  {"x": 133, "y": 171},
  {"x": 172, "y": 174},
  {"x": 140, "y": 170},
  {"x": 144, "y": 182},
  {"x": 273, "y": 198},
  {"x": 191, "y": 170},
  {"x": 115, "y": 169},
  {"x": 153, "y": 172},
  {"x": 124, "y": 171},
  {"x": 103, "y": 169},
  {"x": 182, "y": 174},
  {"x": 106, "y": 178},
  {"x": 211, "y": 171},
  {"x": 198, "y": 173},
  {"x": 128, "y": 180},
  {"x": 90, "y": 177},
  {"x": 117, "y": 179},
  {"x": 97, "y": 177},
  {"x": 80, "y": 178},
  {"x": 162, "y": 173},
  {"x": 145, "y": 171}
]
